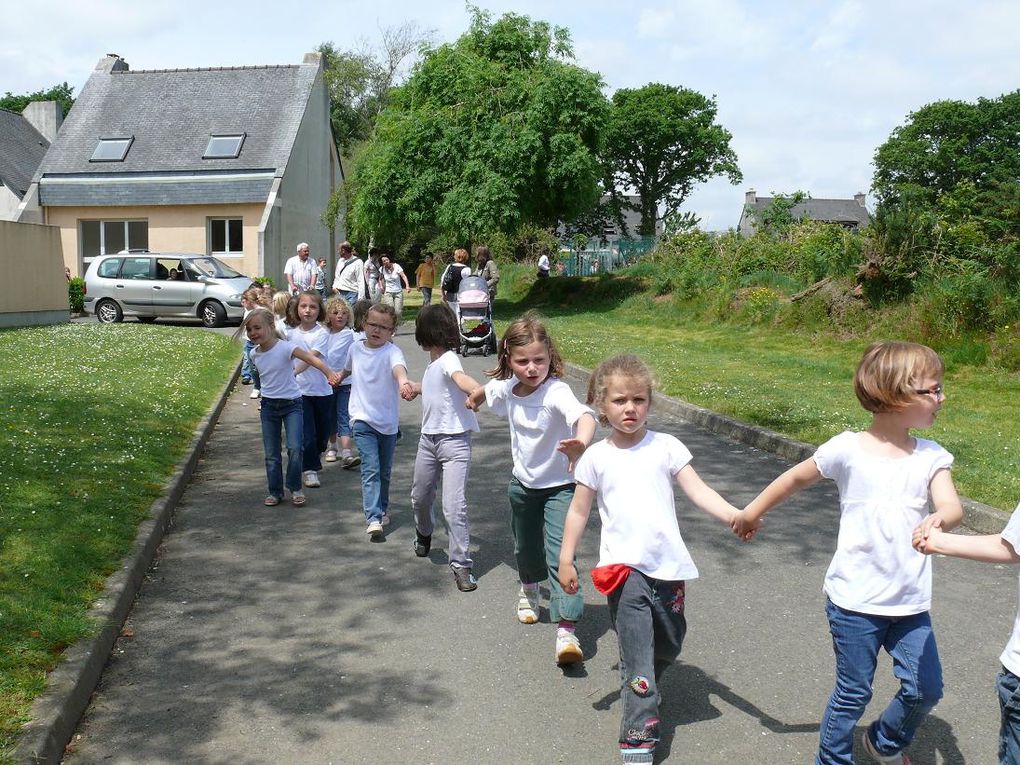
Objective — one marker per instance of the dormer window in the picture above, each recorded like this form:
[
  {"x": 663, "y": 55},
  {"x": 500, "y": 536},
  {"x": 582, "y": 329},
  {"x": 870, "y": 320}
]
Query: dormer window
[
  {"x": 112, "y": 149},
  {"x": 224, "y": 146}
]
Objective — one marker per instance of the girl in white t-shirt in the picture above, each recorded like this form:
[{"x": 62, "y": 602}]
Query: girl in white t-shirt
[
  {"x": 338, "y": 321},
  {"x": 990, "y": 548},
  {"x": 380, "y": 379},
  {"x": 878, "y": 589},
  {"x": 282, "y": 408},
  {"x": 643, "y": 561},
  {"x": 549, "y": 430},
  {"x": 444, "y": 449},
  {"x": 303, "y": 316}
]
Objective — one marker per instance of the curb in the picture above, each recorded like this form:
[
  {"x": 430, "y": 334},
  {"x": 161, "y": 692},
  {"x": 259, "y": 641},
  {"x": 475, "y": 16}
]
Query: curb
[
  {"x": 69, "y": 687},
  {"x": 977, "y": 516}
]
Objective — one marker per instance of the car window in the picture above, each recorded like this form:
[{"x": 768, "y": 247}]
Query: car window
[
  {"x": 169, "y": 268},
  {"x": 210, "y": 266},
  {"x": 136, "y": 268},
  {"x": 110, "y": 268}
]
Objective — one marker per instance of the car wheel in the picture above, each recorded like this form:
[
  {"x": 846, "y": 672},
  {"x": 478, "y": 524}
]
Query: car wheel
[
  {"x": 212, "y": 314},
  {"x": 146, "y": 319},
  {"x": 109, "y": 312}
]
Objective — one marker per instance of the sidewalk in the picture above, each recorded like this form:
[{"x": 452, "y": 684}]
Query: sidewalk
[{"x": 281, "y": 635}]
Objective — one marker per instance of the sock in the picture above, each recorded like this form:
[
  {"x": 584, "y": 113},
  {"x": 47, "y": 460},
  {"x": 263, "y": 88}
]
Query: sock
[
  {"x": 533, "y": 587},
  {"x": 345, "y": 453},
  {"x": 566, "y": 626}
]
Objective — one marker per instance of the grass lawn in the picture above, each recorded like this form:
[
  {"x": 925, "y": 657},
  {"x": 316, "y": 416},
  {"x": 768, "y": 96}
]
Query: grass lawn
[{"x": 94, "y": 419}]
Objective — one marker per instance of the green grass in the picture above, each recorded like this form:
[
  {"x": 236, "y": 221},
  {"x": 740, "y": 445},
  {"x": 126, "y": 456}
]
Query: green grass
[
  {"x": 94, "y": 419},
  {"x": 795, "y": 382}
]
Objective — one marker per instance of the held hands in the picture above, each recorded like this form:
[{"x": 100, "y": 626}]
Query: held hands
[
  {"x": 573, "y": 448},
  {"x": 334, "y": 378},
  {"x": 743, "y": 527},
  {"x": 568, "y": 577},
  {"x": 475, "y": 399},
  {"x": 407, "y": 390},
  {"x": 926, "y": 534}
]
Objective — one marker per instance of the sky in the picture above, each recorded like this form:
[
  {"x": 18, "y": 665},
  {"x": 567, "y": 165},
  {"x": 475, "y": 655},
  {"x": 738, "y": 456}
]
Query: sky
[{"x": 808, "y": 89}]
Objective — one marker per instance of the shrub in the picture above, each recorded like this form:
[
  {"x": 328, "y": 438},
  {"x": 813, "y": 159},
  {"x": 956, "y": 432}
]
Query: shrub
[
  {"x": 264, "y": 280},
  {"x": 76, "y": 294}
]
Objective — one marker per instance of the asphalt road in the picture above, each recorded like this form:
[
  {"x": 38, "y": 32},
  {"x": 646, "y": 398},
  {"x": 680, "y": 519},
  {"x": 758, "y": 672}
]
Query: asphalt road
[{"x": 281, "y": 635}]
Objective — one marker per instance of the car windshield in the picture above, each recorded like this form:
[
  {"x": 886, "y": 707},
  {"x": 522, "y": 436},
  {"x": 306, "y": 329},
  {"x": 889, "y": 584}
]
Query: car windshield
[{"x": 210, "y": 266}]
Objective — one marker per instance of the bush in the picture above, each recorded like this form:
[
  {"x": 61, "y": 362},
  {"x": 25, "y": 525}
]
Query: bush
[
  {"x": 264, "y": 280},
  {"x": 76, "y": 294}
]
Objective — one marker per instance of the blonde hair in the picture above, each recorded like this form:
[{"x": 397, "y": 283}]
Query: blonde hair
[
  {"x": 280, "y": 302},
  {"x": 461, "y": 256},
  {"x": 889, "y": 373},
  {"x": 337, "y": 303},
  {"x": 627, "y": 366},
  {"x": 524, "y": 331}
]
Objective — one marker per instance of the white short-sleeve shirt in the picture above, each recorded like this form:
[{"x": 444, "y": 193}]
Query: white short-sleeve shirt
[
  {"x": 302, "y": 271},
  {"x": 392, "y": 278},
  {"x": 443, "y": 409},
  {"x": 311, "y": 381},
  {"x": 338, "y": 346},
  {"x": 276, "y": 370},
  {"x": 1010, "y": 658},
  {"x": 875, "y": 569},
  {"x": 537, "y": 425},
  {"x": 375, "y": 395},
  {"x": 634, "y": 491}
]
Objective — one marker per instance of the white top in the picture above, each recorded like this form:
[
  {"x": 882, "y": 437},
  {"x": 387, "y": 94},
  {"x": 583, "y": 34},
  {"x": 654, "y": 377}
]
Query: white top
[
  {"x": 281, "y": 327},
  {"x": 276, "y": 370},
  {"x": 443, "y": 409},
  {"x": 634, "y": 491},
  {"x": 375, "y": 394},
  {"x": 543, "y": 262},
  {"x": 337, "y": 346},
  {"x": 1010, "y": 658},
  {"x": 302, "y": 272},
  {"x": 350, "y": 276},
  {"x": 875, "y": 570},
  {"x": 537, "y": 425},
  {"x": 392, "y": 278},
  {"x": 311, "y": 381}
]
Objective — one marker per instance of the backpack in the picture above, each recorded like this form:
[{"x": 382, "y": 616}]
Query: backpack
[{"x": 452, "y": 276}]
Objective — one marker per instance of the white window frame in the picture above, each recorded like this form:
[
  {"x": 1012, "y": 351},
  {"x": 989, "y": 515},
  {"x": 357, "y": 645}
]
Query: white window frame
[
  {"x": 239, "y": 137},
  {"x": 128, "y": 141},
  {"x": 86, "y": 259},
  {"x": 227, "y": 253}
]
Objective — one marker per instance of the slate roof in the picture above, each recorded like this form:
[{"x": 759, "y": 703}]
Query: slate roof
[
  {"x": 826, "y": 210},
  {"x": 21, "y": 150}
]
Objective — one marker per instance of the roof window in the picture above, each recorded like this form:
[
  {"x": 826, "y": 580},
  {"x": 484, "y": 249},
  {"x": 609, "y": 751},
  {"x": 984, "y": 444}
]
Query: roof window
[
  {"x": 224, "y": 146},
  {"x": 112, "y": 149}
]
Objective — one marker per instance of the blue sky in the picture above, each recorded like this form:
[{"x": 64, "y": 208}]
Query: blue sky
[{"x": 808, "y": 89}]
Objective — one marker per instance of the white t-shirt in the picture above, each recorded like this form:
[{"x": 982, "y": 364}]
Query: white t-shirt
[
  {"x": 303, "y": 272},
  {"x": 338, "y": 344},
  {"x": 1010, "y": 658},
  {"x": 311, "y": 381},
  {"x": 443, "y": 410},
  {"x": 543, "y": 262},
  {"x": 276, "y": 370},
  {"x": 375, "y": 395},
  {"x": 392, "y": 278},
  {"x": 537, "y": 425},
  {"x": 350, "y": 276},
  {"x": 875, "y": 570},
  {"x": 281, "y": 327},
  {"x": 634, "y": 491}
]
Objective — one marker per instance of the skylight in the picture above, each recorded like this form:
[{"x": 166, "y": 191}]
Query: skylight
[
  {"x": 223, "y": 146},
  {"x": 112, "y": 149}
]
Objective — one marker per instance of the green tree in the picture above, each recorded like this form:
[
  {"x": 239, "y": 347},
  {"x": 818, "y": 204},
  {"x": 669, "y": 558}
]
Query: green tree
[
  {"x": 495, "y": 130},
  {"x": 62, "y": 93},
  {"x": 661, "y": 141}
]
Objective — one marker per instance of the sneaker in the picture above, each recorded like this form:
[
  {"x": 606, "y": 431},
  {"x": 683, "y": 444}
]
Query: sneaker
[
  {"x": 638, "y": 755},
  {"x": 351, "y": 461},
  {"x": 374, "y": 530},
  {"x": 255, "y": 393},
  {"x": 271, "y": 501},
  {"x": 298, "y": 498},
  {"x": 527, "y": 606},
  {"x": 422, "y": 544},
  {"x": 568, "y": 649},
  {"x": 312, "y": 479},
  {"x": 331, "y": 455},
  {"x": 888, "y": 759},
  {"x": 466, "y": 581},
  {"x": 385, "y": 519},
  {"x": 245, "y": 381}
]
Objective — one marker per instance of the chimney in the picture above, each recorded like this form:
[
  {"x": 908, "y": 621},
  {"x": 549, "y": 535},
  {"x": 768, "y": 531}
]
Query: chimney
[
  {"x": 751, "y": 197},
  {"x": 859, "y": 197},
  {"x": 111, "y": 62},
  {"x": 45, "y": 116},
  {"x": 316, "y": 59}
]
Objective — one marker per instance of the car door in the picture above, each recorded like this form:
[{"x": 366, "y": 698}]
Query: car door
[
  {"x": 172, "y": 293},
  {"x": 133, "y": 289}
]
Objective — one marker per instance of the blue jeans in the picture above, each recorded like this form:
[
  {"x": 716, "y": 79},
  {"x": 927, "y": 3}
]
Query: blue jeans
[
  {"x": 248, "y": 370},
  {"x": 349, "y": 295},
  {"x": 287, "y": 414},
  {"x": 376, "y": 450},
  {"x": 426, "y": 295},
  {"x": 856, "y": 640},
  {"x": 340, "y": 410},
  {"x": 1008, "y": 686},
  {"x": 317, "y": 410}
]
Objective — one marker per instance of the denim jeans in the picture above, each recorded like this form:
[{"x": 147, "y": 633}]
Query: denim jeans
[
  {"x": 1008, "y": 686},
  {"x": 536, "y": 520},
  {"x": 426, "y": 295},
  {"x": 446, "y": 456},
  {"x": 287, "y": 414},
  {"x": 249, "y": 370},
  {"x": 317, "y": 410},
  {"x": 856, "y": 640},
  {"x": 349, "y": 295},
  {"x": 376, "y": 450},
  {"x": 340, "y": 410}
]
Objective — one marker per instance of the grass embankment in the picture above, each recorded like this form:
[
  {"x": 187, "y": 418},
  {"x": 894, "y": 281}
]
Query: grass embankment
[
  {"x": 795, "y": 382},
  {"x": 95, "y": 418}
]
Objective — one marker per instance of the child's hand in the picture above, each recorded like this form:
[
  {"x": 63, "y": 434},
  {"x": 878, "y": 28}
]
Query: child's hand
[
  {"x": 573, "y": 448},
  {"x": 334, "y": 379},
  {"x": 474, "y": 401},
  {"x": 568, "y": 578},
  {"x": 743, "y": 528},
  {"x": 407, "y": 390},
  {"x": 926, "y": 534}
]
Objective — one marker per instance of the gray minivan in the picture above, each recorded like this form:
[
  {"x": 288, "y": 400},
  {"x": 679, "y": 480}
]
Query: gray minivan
[{"x": 153, "y": 284}]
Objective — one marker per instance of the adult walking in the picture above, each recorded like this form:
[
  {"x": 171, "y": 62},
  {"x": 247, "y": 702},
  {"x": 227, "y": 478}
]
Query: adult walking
[
  {"x": 373, "y": 274},
  {"x": 392, "y": 275},
  {"x": 486, "y": 268},
  {"x": 543, "y": 266},
  {"x": 300, "y": 270},
  {"x": 425, "y": 278},
  {"x": 452, "y": 275},
  {"x": 349, "y": 278}
]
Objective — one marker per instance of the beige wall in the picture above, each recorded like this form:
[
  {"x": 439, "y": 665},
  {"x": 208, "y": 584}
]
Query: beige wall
[
  {"x": 171, "y": 229},
  {"x": 33, "y": 289}
]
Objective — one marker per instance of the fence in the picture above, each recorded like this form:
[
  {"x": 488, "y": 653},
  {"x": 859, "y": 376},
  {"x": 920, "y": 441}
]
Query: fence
[{"x": 600, "y": 257}]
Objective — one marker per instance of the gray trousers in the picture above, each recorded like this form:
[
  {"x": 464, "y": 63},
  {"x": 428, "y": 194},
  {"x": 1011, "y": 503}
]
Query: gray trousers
[{"x": 447, "y": 457}]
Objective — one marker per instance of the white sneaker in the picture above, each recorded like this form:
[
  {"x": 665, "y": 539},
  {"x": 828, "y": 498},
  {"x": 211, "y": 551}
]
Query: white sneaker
[
  {"x": 255, "y": 393},
  {"x": 527, "y": 606},
  {"x": 568, "y": 649},
  {"x": 312, "y": 479},
  {"x": 374, "y": 530},
  {"x": 331, "y": 455}
]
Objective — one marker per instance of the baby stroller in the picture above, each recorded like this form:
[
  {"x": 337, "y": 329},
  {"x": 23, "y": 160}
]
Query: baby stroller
[{"x": 474, "y": 317}]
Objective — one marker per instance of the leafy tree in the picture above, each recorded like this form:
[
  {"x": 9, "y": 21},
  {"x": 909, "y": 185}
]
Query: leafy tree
[
  {"x": 662, "y": 140},
  {"x": 62, "y": 93},
  {"x": 778, "y": 214},
  {"x": 495, "y": 130}
]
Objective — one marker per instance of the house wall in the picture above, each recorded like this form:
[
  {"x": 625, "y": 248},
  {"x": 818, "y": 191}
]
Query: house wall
[
  {"x": 33, "y": 289},
  {"x": 9, "y": 203},
  {"x": 171, "y": 229}
]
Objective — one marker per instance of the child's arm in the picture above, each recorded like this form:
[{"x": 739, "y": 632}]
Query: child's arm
[
  {"x": 312, "y": 360},
  {"x": 988, "y": 548},
  {"x": 948, "y": 511},
  {"x": 400, "y": 375},
  {"x": 573, "y": 528},
  {"x": 705, "y": 497},
  {"x": 574, "y": 447},
  {"x": 798, "y": 477},
  {"x": 475, "y": 398},
  {"x": 467, "y": 383}
]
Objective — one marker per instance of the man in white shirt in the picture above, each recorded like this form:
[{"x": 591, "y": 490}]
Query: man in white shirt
[
  {"x": 349, "y": 278},
  {"x": 300, "y": 270}
]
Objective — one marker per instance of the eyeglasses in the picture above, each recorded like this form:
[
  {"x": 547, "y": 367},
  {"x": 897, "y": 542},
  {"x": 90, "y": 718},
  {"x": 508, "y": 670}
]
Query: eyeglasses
[
  {"x": 935, "y": 391},
  {"x": 381, "y": 327}
]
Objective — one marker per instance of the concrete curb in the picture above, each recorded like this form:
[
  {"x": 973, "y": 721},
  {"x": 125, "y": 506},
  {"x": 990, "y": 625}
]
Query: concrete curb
[
  {"x": 55, "y": 713},
  {"x": 978, "y": 517}
]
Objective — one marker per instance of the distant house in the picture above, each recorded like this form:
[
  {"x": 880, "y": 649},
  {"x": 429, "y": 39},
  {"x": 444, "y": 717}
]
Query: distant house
[
  {"x": 849, "y": 213},
  {"x": 24, "y": 139},
  {"x": 235, "y": 162},
  {"x": 611, "y": 231}
]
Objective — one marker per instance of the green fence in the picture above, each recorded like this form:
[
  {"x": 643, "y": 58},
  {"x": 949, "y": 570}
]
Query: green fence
[{"x": 599, "y": 257}]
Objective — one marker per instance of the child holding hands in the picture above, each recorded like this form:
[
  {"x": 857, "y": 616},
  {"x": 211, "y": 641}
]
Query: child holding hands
[
  {"x": 878, "y": 589},
  {"x": 643, "y": 562}
]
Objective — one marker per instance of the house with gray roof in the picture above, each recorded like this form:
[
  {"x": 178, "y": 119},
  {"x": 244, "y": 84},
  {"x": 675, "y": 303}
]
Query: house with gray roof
[
  {"x": 24, "y": 139},
  {"x": 236, "y": 162},
  {"x": 849, "y": 213}
]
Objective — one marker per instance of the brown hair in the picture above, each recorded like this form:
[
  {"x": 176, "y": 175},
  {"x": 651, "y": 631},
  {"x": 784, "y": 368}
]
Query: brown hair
[
  {"x": 436, "y": 327},
  {"x": 358, "y": 313},
  {"x": 482, "y": 254},
  {"x": 890, "y": 371},
  {"x": 625, "y": 365},
  {"x": 293, "y": 319},
  {"x": 461, "y": 256},
  {"x": 387, "y": 310},
  {"x": 524, "y": 331},
  {"x": 267, "y": 318},
  {"x": 252, "y": 294},
  {"x": 337, "y": 303}
]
